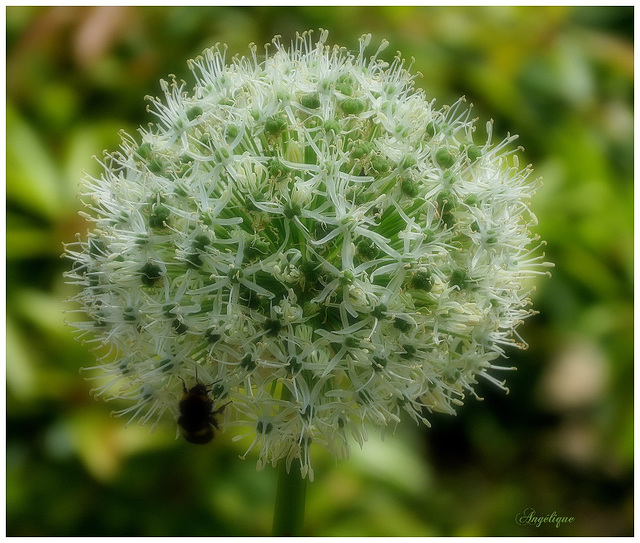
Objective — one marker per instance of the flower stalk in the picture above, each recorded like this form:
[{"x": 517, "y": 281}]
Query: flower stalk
[{"x": 288, "y": 517}]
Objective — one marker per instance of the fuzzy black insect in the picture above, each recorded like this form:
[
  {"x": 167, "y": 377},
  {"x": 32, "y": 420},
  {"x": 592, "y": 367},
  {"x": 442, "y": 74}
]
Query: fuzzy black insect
[{"x": 197, "y": 417}]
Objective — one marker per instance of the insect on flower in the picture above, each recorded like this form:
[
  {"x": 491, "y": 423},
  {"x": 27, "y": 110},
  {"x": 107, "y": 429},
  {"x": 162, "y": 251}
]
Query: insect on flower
[{"x": 197, "y": 417}]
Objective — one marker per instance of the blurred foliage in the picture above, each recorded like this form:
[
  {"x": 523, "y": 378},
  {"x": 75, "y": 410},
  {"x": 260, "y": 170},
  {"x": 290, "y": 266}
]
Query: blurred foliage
[{"x": 562, "y": 440}]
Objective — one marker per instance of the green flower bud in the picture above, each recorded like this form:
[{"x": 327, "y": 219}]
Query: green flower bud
[
  {"x": 150, "y": 273},
  {"x": 444, "y": 158},
  {"x": 352, "y": 106},
  {"x": 310, "y": 101},
  {"x": 194, "y": 112}
]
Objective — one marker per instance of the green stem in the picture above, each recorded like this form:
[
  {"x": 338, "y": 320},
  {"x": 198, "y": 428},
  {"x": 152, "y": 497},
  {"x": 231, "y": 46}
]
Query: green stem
[{"x": 288, "y": 516}]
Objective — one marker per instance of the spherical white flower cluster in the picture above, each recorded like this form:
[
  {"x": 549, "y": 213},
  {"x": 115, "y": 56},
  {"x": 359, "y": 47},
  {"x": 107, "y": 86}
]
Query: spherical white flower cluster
[{"x": 310, "y": 238}]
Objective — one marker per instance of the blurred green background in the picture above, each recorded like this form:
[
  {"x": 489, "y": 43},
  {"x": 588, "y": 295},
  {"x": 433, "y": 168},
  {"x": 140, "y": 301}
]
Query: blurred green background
[{"x": 561, "y": 441}]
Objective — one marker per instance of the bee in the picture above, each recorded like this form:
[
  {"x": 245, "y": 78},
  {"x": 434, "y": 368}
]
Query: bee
[{"x": 197, "y": 416}]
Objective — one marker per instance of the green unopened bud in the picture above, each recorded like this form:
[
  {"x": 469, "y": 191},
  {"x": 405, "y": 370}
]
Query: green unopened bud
[
  {"x": 231, "y": 131},
  {"x": 248, "y": 363},
  {"x": 361, "y": 148},
  {"x": 144, "y": 151},
  {"x": 156, "y": 165},
  {"x": 194, "y": 112},
  {"x": 292, "y": 210},
  {"x": 97, "y": 247},
  {"x": 352, "y": 106},
  {"x": 200, "y": 242},
  {"x": 409, "y": 351},
  {"x": 380, "y": 164},
  {"x": 310, "y": 101},
  {"x": 311, "y": 271},
  {"x": 444, "y": 158},
  {"x": 159, "y": 217},
  {"x": 471, "y": 200},
  {"x": 408, "y": 162},
  {"x": 402, "y": 324},
  {"x": 332, "y": 126},
  {"x": 275, "y": 125},
  {"x": 351, "y": 342},
  {"x": 264, "y": 428},
  {"x": 212, "y": 335},
  {"x": 473, "y": 153},
  {"x": 346, "y": 278},
  {"x": 179, "y": 326},
  {"x": 150, "y": 273},
  {"x": 409, "y": 187},
  {"x": 129, "y": 314},
  {"x": 379, "y": 311},
  {"x": 459, "y": 278},
  {"x": 421, "y": 281},
  {"x": 367, "y": 249},
  {"x": 277, "y": 169},
  {"x": 272, "y": 327}
]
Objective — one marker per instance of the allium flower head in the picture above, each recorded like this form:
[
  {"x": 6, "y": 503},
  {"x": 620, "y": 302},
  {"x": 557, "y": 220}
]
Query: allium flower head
[{"x": 308, "y": 236}]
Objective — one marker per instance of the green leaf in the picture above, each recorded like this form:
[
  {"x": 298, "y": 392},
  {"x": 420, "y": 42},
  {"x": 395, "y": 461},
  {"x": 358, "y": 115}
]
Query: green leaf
[
  {"x": 33, "y": 180},
  {"x": 83, "y": 145},
  {"x": 21, "y": 367},
  {"x": 43, "y": 310},
  {"x": 25, "y": 240}
]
